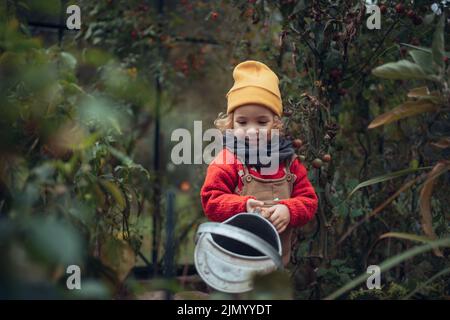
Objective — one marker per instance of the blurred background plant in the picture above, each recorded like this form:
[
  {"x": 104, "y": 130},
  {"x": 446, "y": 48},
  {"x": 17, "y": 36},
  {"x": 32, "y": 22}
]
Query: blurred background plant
[
  {"x": 69, "y": 190},
  {"x": 86, "y": 118}
]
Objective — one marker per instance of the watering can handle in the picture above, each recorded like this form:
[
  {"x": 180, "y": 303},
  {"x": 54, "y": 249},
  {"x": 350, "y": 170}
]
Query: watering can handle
[{"x": 244, "y": 236}]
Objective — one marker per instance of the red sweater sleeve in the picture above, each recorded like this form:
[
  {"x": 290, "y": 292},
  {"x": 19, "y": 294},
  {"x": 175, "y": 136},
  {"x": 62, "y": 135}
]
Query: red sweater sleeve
[
  {"x": 219, "y": 201},
  {"x": 303, "y": 201}
]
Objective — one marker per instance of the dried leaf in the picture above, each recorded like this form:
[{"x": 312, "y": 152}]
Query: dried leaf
[
  {"x": 119, "y": 256},
  {"x": 405, "y": 236},
  {"x": 443, "y": 143},
  {"x": 407, "y": 109},
  {"x": 418, "y": 92},
  {"x": 423, "y": 93},
  {"x": 425, "y": 200}
]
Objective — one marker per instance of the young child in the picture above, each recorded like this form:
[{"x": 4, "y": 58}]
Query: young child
[{"x": 285, "y": 197}]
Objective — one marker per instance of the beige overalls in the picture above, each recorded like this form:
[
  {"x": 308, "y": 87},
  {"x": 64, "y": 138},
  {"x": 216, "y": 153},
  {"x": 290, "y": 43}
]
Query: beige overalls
[{"x": 270, "y": 191}]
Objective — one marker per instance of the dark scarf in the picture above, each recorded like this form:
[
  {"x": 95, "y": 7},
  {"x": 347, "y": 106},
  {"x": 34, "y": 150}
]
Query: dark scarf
[{"x": 283, "y": 150}]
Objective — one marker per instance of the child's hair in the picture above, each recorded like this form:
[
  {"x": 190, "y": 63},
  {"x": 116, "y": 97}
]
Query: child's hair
[{"x": 224, "y": 121}]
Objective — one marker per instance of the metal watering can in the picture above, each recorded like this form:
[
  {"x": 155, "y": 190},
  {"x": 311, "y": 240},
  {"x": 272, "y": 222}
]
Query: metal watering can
[{"x": 228, "y": 254}]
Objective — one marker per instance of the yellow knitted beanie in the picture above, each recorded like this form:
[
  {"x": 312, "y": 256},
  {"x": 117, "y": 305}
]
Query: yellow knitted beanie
[{"x": 254, "y": 83}]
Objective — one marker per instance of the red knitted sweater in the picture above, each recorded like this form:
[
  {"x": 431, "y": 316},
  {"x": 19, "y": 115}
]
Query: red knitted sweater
[{"x": 220, "y": 202}]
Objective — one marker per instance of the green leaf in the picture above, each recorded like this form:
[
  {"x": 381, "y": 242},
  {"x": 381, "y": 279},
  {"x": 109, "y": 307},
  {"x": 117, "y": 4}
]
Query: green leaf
[
  {"x": 91, "y": 289},
  {"x": 300, "y": 6},
  {"x": 346, "y": 270},
  {"x": 423, "y": 59},
  {"x": 426, "y": 283},
  {"x": 127, "y": 161},
  {"x": 386, "y": 177},
  {"x": 424, "y": 49},
  {"x": 337, "y": 262},
  {"x": 344, "y": 277},
  {"x": 54, "y": 241},
  {"x": 115, "y": 191},
  {"x": 428, "y": 19},
  {"x": 400, "y": 70},
  {"x": 103, "y": 114},
  {"x": 342, "y": 209},
  {"x": 322, "y": 272},
  {"x": 71, "y": 88},
  {"x": 356, "y": 213},
  {"x": 318, "y": 31},
  {"x": 68, "y": 60},
  {"x": 428, "y": 50},
  {"x": 96, "y": 57},
  {"x": 88, "y": 33},
  {"x": 438, "y": 43},
  {"x": 390, "y": 263}
]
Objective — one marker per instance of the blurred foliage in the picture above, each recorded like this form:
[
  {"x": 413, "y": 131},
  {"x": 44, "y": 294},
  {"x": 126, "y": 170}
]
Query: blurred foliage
[
  {"x": 75, "y": 120},
  {"x": 68, "y": 184}
]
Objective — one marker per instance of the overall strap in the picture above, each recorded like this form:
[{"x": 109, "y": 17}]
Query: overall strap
[
  {"x": 289, "y": 163},
  {"x": 243, "y": 173},
  {"x": 291, "y": 177}
]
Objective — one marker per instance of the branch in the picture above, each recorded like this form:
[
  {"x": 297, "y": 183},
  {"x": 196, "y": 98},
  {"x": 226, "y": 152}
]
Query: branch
[{"x": 374, "y": 52}]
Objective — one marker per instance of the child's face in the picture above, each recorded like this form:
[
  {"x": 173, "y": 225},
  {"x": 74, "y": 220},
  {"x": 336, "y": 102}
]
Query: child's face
[{"x": 249, "y": 119}]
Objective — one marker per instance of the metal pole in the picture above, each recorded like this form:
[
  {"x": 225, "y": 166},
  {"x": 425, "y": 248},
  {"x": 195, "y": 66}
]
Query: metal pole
[
  {"x": 170, "y": 235},
  {"x": 156, "y": 159},
  {"x": 62, "y": 13}
]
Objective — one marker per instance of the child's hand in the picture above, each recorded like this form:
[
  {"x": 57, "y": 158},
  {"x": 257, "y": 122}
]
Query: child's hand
[
  {"x": 252, "y": 205},
  {"x": 266, "y": 213},
  {"x": 279, "y": 216}
]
